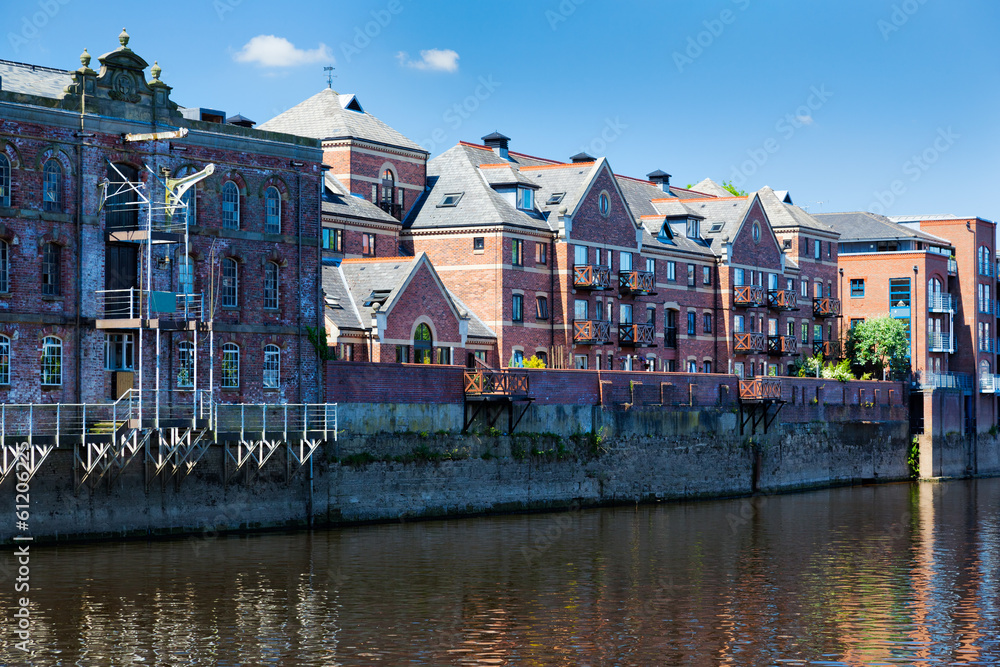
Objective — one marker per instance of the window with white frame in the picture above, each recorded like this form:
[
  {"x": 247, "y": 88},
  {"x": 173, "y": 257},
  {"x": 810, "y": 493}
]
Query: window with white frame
[
  {"x": 580, "y": 254},
  {"x": 650, "y": 265},
  {"x": 739, "y": 277},
  {"x": 272, "y": 366},
  {"x": 4, "y": 360},
  {"x": 52, "y": 178},
  {"x": 525, "y": 199},
  {"x": 624, "y": 261},
  {"x": 230, "y": 365},
  {"x": 230, "y": 283},
  {"x": 271, "y": 285},
  {"x": 4, "y": 181},
  {"x": 50, "y": 269},
  {"x": 272, "y": 211},
  {"x": 672, "y": 271},
  {"x": 804, "y": 287},
  {"x": 118, "y": 352},
  {"x": 185, "y": 275},
  {"x": 185, "y": 364},
  {"x": 693, "y": 228},
  {"x": 230, "y": 206},
  {"x": 51, "y": 361}
]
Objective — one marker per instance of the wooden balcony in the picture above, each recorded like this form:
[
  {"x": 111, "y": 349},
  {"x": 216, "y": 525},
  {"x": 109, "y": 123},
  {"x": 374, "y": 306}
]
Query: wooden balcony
[
  {"x": 782, "y": 346},
  {"x": 591, "y": 276},
  {"x": 591, "y": 332},
  {"x": 830, "y": 349},
  {"x": 748, "y": 296},
  {"x": 783, "y": 299},
  {"x": 496, "y": 383},
  {"x": 760, "y": 389},
  {"x": 636, "y": 282},
  {"x": 636, "y": 335},
  {"x": 826, "y": 307},
  {"x": 749, "y": 343}
]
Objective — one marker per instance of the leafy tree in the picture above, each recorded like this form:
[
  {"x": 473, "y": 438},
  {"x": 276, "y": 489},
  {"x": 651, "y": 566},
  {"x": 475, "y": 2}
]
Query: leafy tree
[
  {"x": 534, "y": 362},
  {"x": 736, "y": 192},
  {"x": 879, "y": 345}
]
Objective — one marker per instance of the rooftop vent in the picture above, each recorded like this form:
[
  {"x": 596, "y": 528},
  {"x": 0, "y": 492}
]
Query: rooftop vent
[
  {"x": 240, "y": 120},
  {"x": 661, "y": 178},
  {"x": 582, "y": 157},
  {"x": 498, "y": 143}
]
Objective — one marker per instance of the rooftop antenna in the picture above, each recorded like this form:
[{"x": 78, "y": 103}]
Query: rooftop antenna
[{"x": 329, "y": 76}]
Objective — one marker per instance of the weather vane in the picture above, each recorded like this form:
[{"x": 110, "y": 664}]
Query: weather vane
[{"x": 329, "y": 76}]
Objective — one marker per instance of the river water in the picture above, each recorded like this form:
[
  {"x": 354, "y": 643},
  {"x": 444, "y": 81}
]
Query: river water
[{"x": 893, "y": 574}]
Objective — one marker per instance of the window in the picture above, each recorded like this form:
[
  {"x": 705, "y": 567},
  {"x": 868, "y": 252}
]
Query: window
[
  {"x": 693, "y": 228},
  {"x": 51, "y": 361},
  {"x": 690, "y": 275},
  {"x": 4, "y": 360},
  {"x": 691, "y": 320},
  {"x": 118, "y": 349},
  {"x": 805, "y": 333},
  {"x": 738, "y": 368},
  {"x": 190, "y": 200},
  {"x": 857, "y": 287},
  {"x": 580, "y": 308},
  {"x": 672, "y": 271},
  {"x": 772, "y": 327},
  {"x": 817, "y": 332},
  {"x": 230, "y": 206},
  {"x": 786, "y": 244},
  {"x": 818, "y": 293},
  {"x": 345, "y": 352},
  {"x": 185, "y": 275},
  {"x": 789, "y": 284},
  {"x": 706, "y": 275},
  {"x": 692, "y": 366},
  {"x": 706, "y": 323},
  {"x": 185, "y": 364},
  {"x": 230, "y": 365},
  {"x": 790, "y": 328},
  {"x": 517, "y": 252},
  {"x": 983, "y": 257},
  {"x": 450, "y": 200},
  {"x": 517, "y": 307},
  {"x": 541, "y": 253},
  {"x": 230, "y": 283},
  {"x": 368, "y": 245},
  {"x": 855, "y": 321},
  {"x": 580, "y": 361},
  {"x": 478, "y": 244},
  {"x": 899, "y": 293},
  {"x": 604, "y": 204},
  {"x": 985, "y": 303},
  {"x": 555, "y": 198},
  {"x": 272, "y": 366},
  {"x": 739, "y": 324},
  {"x": 422, "y": 344},
  {"x": 50, "y": 269},
  {"x": 388, "y": 187},
  {"x": 402, "y": 354},
  {"x": 271, "y": 285},
  {"x": 624, "y": 261},
  {"x": 525, "y": 199},
  {"x": 580, "y": 254},
  {"x": 625, "y": 314},
  {"x": 272, "y": 211},
  {"x": 52, "y": 178},
  {"x": 739, "y": 277},
  {"x": 333, "y": 239},
  {"x": 756, "y": 232},
  {"x": 541, "y": 308},
  {"x": 443, "y": 356},
  {"x": 706, "y": 367},
  {"x": 4, "y": 183},
  {"x": 4, "y": 266},
  {"x": 816, "y": 249},
  {"x": 651, "y": 266},
  {"x": 804, "y": 287},
  {"x": 772, "y": 281}
]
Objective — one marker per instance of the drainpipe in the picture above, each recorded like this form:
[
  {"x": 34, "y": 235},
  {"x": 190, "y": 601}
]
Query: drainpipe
[
  {"x": 552, "y": 300},
  {"x": 79, "y": 242},
  {"x": 298, "y": 315}
]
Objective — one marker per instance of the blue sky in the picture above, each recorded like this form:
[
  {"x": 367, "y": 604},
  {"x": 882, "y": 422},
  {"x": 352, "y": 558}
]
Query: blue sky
[{"x": 850, "y": 105}]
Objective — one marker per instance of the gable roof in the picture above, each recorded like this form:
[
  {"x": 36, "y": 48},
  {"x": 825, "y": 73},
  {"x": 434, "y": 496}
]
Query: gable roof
[
  {"x": 325, "y": 116},
  {"x": 640, "y": 196},
  {"x": 782, "y": 214},
  {"x": 711, "y": 188},
  {"x": 866, "y": 226}
]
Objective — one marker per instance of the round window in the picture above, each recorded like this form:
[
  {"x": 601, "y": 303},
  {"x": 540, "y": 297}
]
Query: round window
[
  {"x": 604, "y": 203},
  {"x": 756, "y": 232}
]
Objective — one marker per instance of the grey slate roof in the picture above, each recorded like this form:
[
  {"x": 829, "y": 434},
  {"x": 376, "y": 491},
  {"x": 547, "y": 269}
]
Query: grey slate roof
[
  {"x": 571, "y": 179},
  {"x": 788, "y": 215},
  {"x": 33, "y": 79},
  {"x": 477, "y": 328},
  {"x": 640, "y": 196},
  {"x": 340, "y": 307},
  {"x": 323, "y": 116},
  {"x": 505, "y": 175},
  {"x": 711, "y": 188},
  {"x": 863, "y": 226},
  {"x": 337, "y": 200}
]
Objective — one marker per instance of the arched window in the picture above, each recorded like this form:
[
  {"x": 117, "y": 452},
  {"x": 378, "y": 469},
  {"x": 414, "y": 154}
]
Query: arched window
[
  {"x": 4, "y": 181},
  {"x": 272, "y": 366},
  {"x": 230, "y": 283},
  {"x": 388, "y": 187},
  {"x": 50, "y": 269},
  {"x": 230, "y": 206},
  {"x": 984, "y": 371},
  {"x": 4, "y": 266},
  {"x": 52, "y": 185},
  {"x": 422, "y": 343},
  {"x": 121, "y": 210},
  {"x": 4, "y": 360},
  {"x": 271, "y": 285},
  {"x": 272, "y": 211},
  {"x": 185, "y": 364},
  {"x": 934, "y": 286},
  {"x": 51, "y": 361},
  {"x": 230, "y": 365},
  {"x": 985, "y": 268}
]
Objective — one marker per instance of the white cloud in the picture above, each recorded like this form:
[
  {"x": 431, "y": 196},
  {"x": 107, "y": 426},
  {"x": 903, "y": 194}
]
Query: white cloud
[
  {"x": 272, "y": 51},
  {"x": 440, "y": 60},
  {"x": 805, "y": 120}
]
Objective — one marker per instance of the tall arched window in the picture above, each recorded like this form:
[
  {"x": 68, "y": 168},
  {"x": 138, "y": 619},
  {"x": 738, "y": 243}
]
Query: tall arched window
[
  {"x": 121, "y": 210},
  {"x": 185, "y": 364},
  {"x": 230, "y": 365},
  {"x": 272, "y": 211},
  {"x": 388, "y": 187},
  {"x": 230, "y": 206},
  {"x": 4, "y": 266},
  {"x": 272, "y": 366},
  {"x": 52, "y": 185},
  {"x": 934, "y": 286},
  {"x": 50, "y": 269},
  {"x": 271, "y": 285},
  {"x": 4, "y": 360},
  {"x": 51, "y": 361},
  {"x": 4, "y": 181},
  {"x": 422, "y": 344},
  {"x": 985, "y": 268},
  {"x": 984, "y": 370},
  {"x": 230, "y": 283}
]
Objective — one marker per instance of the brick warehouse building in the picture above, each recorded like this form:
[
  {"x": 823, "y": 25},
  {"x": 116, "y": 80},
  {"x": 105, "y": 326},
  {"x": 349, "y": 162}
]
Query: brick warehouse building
[{"x": 253, "y": 252}]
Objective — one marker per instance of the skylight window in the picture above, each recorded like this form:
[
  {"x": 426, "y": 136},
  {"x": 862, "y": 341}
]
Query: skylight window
[
  {"x": 715, "y": 228},
  {"x": 451, "y": 200},
  {"x": 555, "y": 198},
  {"x": 377, "y": 296}
]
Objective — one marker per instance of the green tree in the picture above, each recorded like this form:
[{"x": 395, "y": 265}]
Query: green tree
[
  {"x": 878, "y": 345},
  {"x": 736, "y": 192}
]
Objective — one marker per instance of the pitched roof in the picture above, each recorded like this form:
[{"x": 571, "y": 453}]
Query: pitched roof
[
  {"x": 324, "y": 116},
  {"x": 640, "y": 196},
  {"x": 34, "y": 79},
  {"x": 781, "y": 214},
  {"x": 710, "y": 187},
  {"x": 340, "y": 306},
  {"x": 338, "y": 200},
  {"x": 863, "y": 226}
]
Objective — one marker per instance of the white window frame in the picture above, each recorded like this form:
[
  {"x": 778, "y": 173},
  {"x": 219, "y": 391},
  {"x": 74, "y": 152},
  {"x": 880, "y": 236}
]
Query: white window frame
[
  {"x": 51, "y": 361},
  {"x": 125, "y": 343},
  {"x": 185, "y": 362},
  {"x": 230, "y": 293},
  {"x": 230, "y": 205},
  {"x": 272, "y": 210},
  {"x": 4, "y": 360},
  {"x": 229, "y": 378},
  {"x": 272, "y": 283},
  {"x": 272, "y": 367}
]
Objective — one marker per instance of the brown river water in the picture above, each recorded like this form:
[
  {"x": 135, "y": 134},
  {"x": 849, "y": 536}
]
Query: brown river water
[{"x": 900, "y": 574}]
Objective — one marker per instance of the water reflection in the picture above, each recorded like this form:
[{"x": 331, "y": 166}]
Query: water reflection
[{"x": 898, "y": 574}]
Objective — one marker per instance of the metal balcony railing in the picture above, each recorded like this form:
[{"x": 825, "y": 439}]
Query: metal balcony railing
[
  {"x": 748, "y": 296},
  {"x": 783, "y": 299},
  {"x": 392, "y": 208},
  {"x": 932, "y": 380},
  {"x": 826, "y": 307},
  {"x": 940, "y": 302},
  {"x": 260, "y": 421},
  {"x": 591, "y": 332},
  {"x": 749, "y": 342},
  {"x": 134, "y": 303},
  {"x": 986, "y": 306},
  {"x": 636, "y": 335},
  {"x": 939, "y": 342},
  {"x": 782, "y": 345},
  {"x": 591, "y": 276},
  {"x": 830, "y": 349},
  {"x": 952, "y": 267},
  {"x": 636, "y": 282},
  {"x": 989, "y": 383},
  {"x": 496, "y": 383},
  {"x": 760, "y": 389}
]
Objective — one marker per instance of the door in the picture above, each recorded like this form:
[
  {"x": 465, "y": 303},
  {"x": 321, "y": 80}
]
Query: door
[{"x": 121, "y": 273}]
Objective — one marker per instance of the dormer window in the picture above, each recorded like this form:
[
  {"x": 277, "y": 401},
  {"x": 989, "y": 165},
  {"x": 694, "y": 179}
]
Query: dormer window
[
  {"x": 693, "y": 228},
  {"x": 450, "y": 200},
  {"x": 525, "y": 199},
  {"x": 555, "y": 198},
  {"x": 666, "y": 233}
]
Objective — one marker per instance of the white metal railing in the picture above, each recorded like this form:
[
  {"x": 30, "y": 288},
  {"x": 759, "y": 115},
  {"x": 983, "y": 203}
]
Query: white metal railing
[
  {"x": 932, "y": 380},
  {"x": 989, "y": 383},
  {"x": 134, "y": 303},
  {"x": 952, "y": 267},
  {"x": 939, "y": 342},
  {"x": 259, "y": 419},
  {"x": 940, "y": 302}
]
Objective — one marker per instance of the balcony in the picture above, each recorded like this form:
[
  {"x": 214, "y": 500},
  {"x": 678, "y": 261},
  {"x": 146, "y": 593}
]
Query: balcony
[
  {"x": 939, "y": 342},
  {"x": 636, "y": 335},
  {"x": 591, "y": 332},
  {"x": 591, "y": 276},
  {"x": 133, "y": 308},
  {"x": 830, "y": 349},
  {"x": 392, "y": 208},
  {"x": 932, "y": 380},
  {"x": 986, "y": 345},
  {"x": 496, "y": 383},
  {"x": 783, "y": 299},
  {"x": 940, "y": 302},
  {"x": 748, "y": 296},
  {"x": 670, "y": 337},
  {"x": 782, "y": 345},
  {"x": 952, "y": 267},
  {"x": 826, "y": 307},
  {"x": 636, "y": 282},
  {"x": 749, "y": 343},
  {"x": 760, "y": 389},
  {"x": 989, "y": 384},
  {"x": 986, "y": 306}
]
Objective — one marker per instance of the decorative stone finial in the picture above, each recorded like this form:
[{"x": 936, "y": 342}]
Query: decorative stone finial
[
  {"x": 85, "y": 59},
  {"x": 123, "y": 39},
  {"x": 156, "y": 70}
]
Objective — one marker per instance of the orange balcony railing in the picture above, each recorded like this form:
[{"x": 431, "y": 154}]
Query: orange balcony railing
[
  {"x": 636, "y": 335},
  {"x": 591, "y": 332},
  {"x": 830, "y": 349},
  {"x": 783, "y": 299},
  {"x": 782, "y": 345},
  {"x": 748, "y": 296},
  {"x": 591, "y": 276},
  {"x": 749, "y": 343},
  {"x": 760, "y": 389},
  {"x": 826, "y": 307},
  {"x": 496, "y": 383},
  {"x": 636, "y": 282}
]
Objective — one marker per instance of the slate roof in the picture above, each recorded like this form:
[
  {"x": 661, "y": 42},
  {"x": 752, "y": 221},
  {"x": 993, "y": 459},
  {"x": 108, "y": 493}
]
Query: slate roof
[
  {"x": 864, "y": 226},
  {"x": 640, "y": 196},
  {"x": 33, "y": 79},
  {"x": 323, "y": 116},
  {"x": 340, "y": 306},
  {"x": 788, "y": 215},
  {"x": 570, "y": 179},
  {"x": 504, "y": 174},
  {"x": 711, "y": 188},
  {"x": 337, "y": 200}
]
